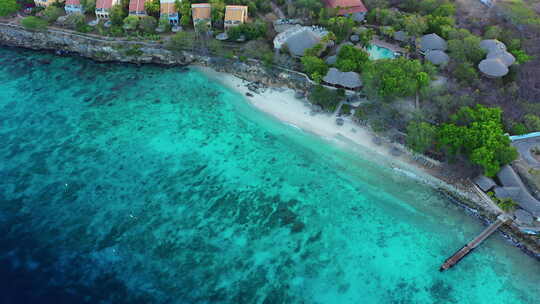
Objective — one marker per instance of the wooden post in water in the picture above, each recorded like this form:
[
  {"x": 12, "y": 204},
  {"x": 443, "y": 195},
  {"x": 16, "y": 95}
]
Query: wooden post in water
[{"x": 461, "y": 253}]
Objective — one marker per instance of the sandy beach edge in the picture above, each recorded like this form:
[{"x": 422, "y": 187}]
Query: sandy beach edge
[{"x": 282, "y": 104}]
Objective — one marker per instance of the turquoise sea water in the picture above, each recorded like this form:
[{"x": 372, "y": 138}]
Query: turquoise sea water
[
  {"x": 126, "y": 184},
  {"x": 378, "y": 52}
]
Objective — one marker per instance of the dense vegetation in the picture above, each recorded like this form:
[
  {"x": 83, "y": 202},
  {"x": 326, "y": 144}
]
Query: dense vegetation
[{"x": 8, "y": 7}]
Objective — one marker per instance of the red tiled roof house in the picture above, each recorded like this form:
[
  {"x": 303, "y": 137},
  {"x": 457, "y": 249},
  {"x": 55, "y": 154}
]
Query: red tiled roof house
[
  {"x": 353, "y": 8},
  {"x": 103, "y": 7},
  {"x": 136, "y": 7}
]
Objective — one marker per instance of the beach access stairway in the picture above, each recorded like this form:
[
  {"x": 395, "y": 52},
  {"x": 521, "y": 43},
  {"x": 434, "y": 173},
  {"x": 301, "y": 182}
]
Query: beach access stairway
[{"x": 465, "y": 250}]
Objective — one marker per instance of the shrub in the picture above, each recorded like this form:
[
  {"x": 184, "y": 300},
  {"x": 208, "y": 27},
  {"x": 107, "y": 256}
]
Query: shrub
[
  {"x": 181, "y": 41},
  {"x": 34, "y": 23},
  {"x": 148, "y": 24},
  {"x": 51, "y": 13},
  {"x": 351, "y": 58},
  {"x": 420, "y": 136},
  {"x": 314, "y": 66},
  {"x": 519, "y": 129},
  {"x": 326, "y": 98},
  {"x": 532, "y": 122},
  {"x": 131, "y": 22},
  {"x": 465, "y": 72},
  {"x": 8, "y": 7},
  {"x": 74, "y": 20},
  {"x": 250, "y": 31},
  {"x": 164, "y": 23},
  {"x": 117, "y": 15}
]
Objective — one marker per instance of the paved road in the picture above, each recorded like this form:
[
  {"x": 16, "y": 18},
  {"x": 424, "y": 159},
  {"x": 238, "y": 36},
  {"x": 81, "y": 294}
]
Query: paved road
[{"x": 524, "y": 147}]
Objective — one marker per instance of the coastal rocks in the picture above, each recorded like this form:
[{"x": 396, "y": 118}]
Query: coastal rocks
[
  {"x": 299, "y": 95},
  {"x": 340, "y": 121},
  {"x": 523, "y": 217}
]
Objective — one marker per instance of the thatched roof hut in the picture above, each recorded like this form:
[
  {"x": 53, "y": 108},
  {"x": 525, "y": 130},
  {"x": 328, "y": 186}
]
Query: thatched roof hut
[
  {"x": 491, "y": 45},
  {"x": 437, "y": 57},
  {"x": 432, "y": 42},
  {"x": 401, "y": 36},
  {"x": 349, "y": 80},
  {"x": 493, "y": 67},
  {"x": 504, "y": 56}
]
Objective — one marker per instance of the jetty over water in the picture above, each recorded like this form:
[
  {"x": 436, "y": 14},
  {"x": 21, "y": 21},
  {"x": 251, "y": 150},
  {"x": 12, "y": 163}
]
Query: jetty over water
[{"x": 465, "y": 250}]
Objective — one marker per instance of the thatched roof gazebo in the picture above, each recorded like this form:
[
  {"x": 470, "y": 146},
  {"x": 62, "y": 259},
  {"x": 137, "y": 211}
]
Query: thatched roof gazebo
[
  {"x": 437, "y": 57},
  {"x": 504, "y": 56},
  {"x": 431, "y": 42},
  {"x": 493, "y": 67},
  {"x": 350, "y": 80},
  {"x": 491, "y": 45}
]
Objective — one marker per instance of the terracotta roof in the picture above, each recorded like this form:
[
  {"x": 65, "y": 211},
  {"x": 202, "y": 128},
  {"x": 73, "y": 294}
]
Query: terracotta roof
[
  {"x": 347, "y": 6},
  {"x": 105, "y": 3},
  {"x": 168, "y": 8},
  {"x": 137, "y": 5},
  {"x": 73, "y": 2},
  {"x": 236, "y": 12},
  {"x": 201, "y": 11}
]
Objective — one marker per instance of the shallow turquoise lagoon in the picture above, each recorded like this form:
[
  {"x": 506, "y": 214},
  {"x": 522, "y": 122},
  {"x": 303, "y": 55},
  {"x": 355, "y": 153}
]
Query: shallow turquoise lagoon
[
  {"x": 378, "y": 52},
  {"x": 126, "y": 184}
]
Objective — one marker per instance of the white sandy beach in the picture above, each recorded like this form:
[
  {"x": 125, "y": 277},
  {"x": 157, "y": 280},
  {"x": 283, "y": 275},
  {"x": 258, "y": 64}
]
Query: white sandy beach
[{"x": 282, "y": 104}]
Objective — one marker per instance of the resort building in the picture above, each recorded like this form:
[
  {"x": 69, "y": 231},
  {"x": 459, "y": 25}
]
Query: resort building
[
  {"x": 136, "y": 7},
  {"x": 432, "y": 42},
  {"x": 73, "y": 7},
  {"x": 168, "y": 9},
  {"x": 353, "y": 8},
  {"x": 235, "y": 15},
  {"x": 298, "y": 39},
  {"x": 44, "y": 3},
  {"x": 103, "y": 7},
  {"x": 348, "y": 80},
  {"x": 201, "y": 13},
  {"x": 497, "y": 61}
]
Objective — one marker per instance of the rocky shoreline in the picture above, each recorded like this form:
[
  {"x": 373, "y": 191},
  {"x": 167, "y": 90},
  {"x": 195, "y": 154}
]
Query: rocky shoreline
[{"x": 104, "y": 49}]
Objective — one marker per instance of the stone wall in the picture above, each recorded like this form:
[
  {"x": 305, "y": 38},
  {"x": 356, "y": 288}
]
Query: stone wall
[{"x": 107, "y": 49}]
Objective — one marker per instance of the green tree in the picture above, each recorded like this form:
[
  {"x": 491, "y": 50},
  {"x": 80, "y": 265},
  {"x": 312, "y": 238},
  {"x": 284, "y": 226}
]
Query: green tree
[
  {"x": 185, "y": 11},
  {"x": 131, "y": 22},
  {"x": 466, "y": 49},
  {"x": 308, "y": 8},
  {"x": 465, "y": 72},
  {"x": 478, "y": 134},
  {"x": 445, "y": 10},
  {"x": 34, "y": 23},
  {"x": 117, "y": 15},
  {"x": 152, "y": 8},
  {"x": 521, "y": 56},
  {"x": 493, "y": 32},
  {"x": 51, "y": 13},
  {"x": 440, "y": 25},
  {"x": 532, "y": 122},
  {"x": 351, "y": 58},
  {"x": 420, "y": 136},
  {"x": 388, "y": 79},
  {"x": 366, "y": 37},
  {"x": 147, "y": 24},
  {"x": 218, "y": 10},
  {"x": 340, "y": 26},
  {"x": 8, "y": 7},
  {"x": 415, "y": 25},
  {"x": 314, "y": 66}
]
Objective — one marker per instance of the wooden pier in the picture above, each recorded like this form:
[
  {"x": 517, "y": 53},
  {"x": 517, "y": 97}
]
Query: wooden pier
[{"x": 461, "y": 253}]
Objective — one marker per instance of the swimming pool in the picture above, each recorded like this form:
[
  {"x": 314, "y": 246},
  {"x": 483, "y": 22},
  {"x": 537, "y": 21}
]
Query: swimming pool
[{"x": 378, "y": 52}]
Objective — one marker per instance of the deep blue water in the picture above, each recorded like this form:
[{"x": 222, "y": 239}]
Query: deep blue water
[{"x": 126, "y": 184}]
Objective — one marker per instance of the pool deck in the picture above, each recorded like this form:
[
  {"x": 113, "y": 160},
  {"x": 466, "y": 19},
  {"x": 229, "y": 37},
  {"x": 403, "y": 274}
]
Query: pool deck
[{"x": 393, "y": 47}]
